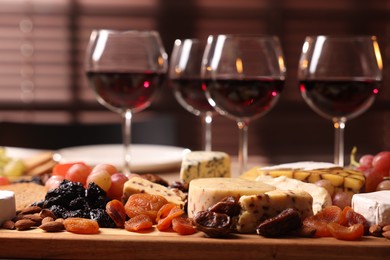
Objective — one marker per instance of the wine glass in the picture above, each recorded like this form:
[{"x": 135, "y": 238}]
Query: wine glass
[
  {"x": 184, "y": 74},
  {"x": 125, "y": 68},
  {"x": 339, "y": 77},
  {"x": 243, "y": 76}
]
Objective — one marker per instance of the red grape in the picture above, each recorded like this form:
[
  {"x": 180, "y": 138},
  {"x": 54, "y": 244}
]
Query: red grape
[
  {"x": 116, "y": 189},
  {"x": 78, "y": 173},
  {"x": 342, "y": 199},
  {"x": 366, "y": 161},
  {"x": 53, "y": 182},
  {"x": 101, "y": 178},
  {"x": 373, "y": 178},
  {"x": 111, "y": 169},
  {"x": 381, "y": 161}
]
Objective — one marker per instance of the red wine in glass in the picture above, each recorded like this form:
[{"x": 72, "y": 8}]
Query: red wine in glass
[
  {"x": 340, "y": 98},
  {"x": 190, "y": 94},
  {"x": 124, "y": 90},
  {"x": 245, "y": 98}
]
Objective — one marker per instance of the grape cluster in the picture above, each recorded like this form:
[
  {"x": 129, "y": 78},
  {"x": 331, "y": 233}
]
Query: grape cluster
[{"x": 376, "y": 169}]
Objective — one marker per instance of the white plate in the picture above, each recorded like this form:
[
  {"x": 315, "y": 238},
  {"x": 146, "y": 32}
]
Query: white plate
[
  {"x": 145, "y": 157},
  {"x": 21, "y": 153}
]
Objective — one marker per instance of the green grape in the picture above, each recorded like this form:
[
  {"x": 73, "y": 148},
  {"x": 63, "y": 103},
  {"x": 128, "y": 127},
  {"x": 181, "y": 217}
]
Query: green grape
[{"x": 14, "y": 168}]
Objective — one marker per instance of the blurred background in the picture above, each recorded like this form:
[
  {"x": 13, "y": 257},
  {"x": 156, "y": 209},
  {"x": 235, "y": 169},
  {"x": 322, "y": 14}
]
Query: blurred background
[{"x": 45, "y": 101}]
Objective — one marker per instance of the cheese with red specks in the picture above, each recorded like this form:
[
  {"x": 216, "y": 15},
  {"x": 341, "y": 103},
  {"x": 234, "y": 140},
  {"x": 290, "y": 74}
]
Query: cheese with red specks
[{"x": 258, "y": 200}]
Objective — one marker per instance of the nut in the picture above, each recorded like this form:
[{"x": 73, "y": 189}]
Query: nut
[
  {"x": 61, "y": 220},
  {"x": 47, "y": 213},
  {"x": 31, "y": 210},
  {"x": 386, "y": 228},
  {"x": 52, "y": 226},
  {"x": 8, "y": 224},
  {"x": 386, "y": 234},
  {"x": 34, "y": 217},
  {"x": 24, "y": 224},
  {"x": 47, "y": 219},
  {"x": 375, "y": 230}
]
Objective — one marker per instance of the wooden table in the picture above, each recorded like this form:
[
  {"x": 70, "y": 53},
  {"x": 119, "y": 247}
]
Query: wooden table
[{"x": 121, "y": 244}]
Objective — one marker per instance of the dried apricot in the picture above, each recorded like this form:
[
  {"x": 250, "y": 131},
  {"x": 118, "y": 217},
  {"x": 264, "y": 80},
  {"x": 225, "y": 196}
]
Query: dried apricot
[
  {"x": 322, "y": 218},
  {"x": 117, "y": 213},
  {"x": 143, "y": 203},
  {"x": 183, "y": 226},
  {"x": 353, "y": 232},
  {"x": 81, "y": 226},
  {"x": 139, "y": 223},
  {"x": 164, "y": 211},
  {"x": 352, "y": 218},
  {"x": 165, "y": 223}
]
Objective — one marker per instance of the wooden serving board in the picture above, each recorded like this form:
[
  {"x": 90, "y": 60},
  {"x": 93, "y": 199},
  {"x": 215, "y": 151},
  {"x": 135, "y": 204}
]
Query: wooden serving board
[{"x": 120, "y": 244}]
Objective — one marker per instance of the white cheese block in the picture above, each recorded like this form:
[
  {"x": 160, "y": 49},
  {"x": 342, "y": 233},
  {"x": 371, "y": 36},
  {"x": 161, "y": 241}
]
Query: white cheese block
[
  {"x": 321, "y": 197},
  {"x": 374, "y": 206},
  {"x": 140, "y": 185},
  {"x": 7, "y": 205},
  {"x": 257, "y": 208},
  {"x": 203, "y": 164},
  {"x": 206, "y": 192}
]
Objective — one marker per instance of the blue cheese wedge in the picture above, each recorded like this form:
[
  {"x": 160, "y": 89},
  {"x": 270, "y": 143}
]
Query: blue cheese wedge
[
  {"x": 140, "y": 185},
  {"x": 257, "y": 208},
  {"x": 203, "y": 164},
  {"x": 374, "y": 206},
  {"x": 321, "y": 197},
  {"x": 206, "y": 192}
]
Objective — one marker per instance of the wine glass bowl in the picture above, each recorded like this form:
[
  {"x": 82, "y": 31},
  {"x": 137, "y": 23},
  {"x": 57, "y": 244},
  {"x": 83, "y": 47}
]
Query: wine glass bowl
[
  {"x": 184, "y": 75},
  {"x": 339, "y": 78},
  {"x": 244, "y": 76},
  {"x": 125, "y": 68}
]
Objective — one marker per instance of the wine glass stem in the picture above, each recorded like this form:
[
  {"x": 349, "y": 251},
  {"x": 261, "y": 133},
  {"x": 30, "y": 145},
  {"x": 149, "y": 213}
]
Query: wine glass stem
[
  {"x": 242, "y": 146},
  {"x": 207, "y": 120},
  {"x": 126, "y": 136},
  {"x": 339, "y": 125}
]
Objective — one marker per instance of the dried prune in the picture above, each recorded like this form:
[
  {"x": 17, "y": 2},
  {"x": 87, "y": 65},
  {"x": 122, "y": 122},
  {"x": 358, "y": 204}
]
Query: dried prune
[
  {"x": 228, "y": 205},
  {"x": 282, "y": 224},
  {"x": 214, "y": 224},
  {"x": 183, "y": 186},
  {"x": 101, "y": 216}
]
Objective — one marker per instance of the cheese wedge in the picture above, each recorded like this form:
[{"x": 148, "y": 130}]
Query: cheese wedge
[
  {"x": 206, "y": 192},
  {"x": 203, "y": 164},
  {"x": 257, "y": 208},
  {"x": 321, "y": 197},
  {"x": 140, "y": 185},
  {"x": 342, "y": 179}
]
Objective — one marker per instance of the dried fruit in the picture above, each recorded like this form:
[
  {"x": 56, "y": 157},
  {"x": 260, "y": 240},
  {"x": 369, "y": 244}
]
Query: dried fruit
[
  {"x": 183, "y": 226},
  {"x": 81, "y": 226},
  {"x": 353, "y": 232},
  {"x": 143, "y": 203},
  {"x": 321, "y": 219},
  {"x": 214, "y": 224},
  {"x": 164, "y": 211},
  {"x": 228, "y": 205},
  {"x": 165, "y": 223},
  {"x": 280, "y": 225},
  {"x": 375, "y": 230},
  {"x": 139, "y": 223},
  {"x": 117, "y": 213}
]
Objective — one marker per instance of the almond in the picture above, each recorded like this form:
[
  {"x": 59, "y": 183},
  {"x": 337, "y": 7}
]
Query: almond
[
  {"x": 375, "y": 230},
  {"x": 8, "y": 224},
  {"x": 52, "y": 226},
  {"x": 47, "y": 213},
  {"x": 24, "y": 224},
  {"x": 30, "y": 210},
  {"x": 47, "y": 219},
  {"x": 386, "y": 234}
]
